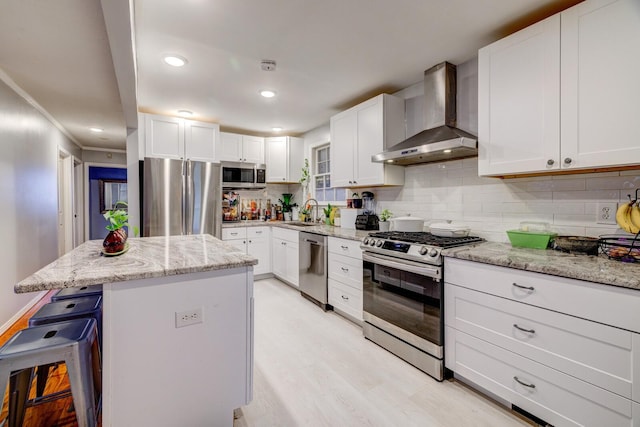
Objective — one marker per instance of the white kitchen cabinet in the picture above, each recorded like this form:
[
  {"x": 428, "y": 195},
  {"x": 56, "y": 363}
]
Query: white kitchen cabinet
[
  {"x": 564, "y": 350},
  {"x": 176, "y": 138},
  {"x": 562, "y": 93},
  {"x": 241, "y": 148},
  {"x": 253, "y": 241},
  {"x": 284, "y": 158},
  {"x": 345, "y": 277},
  {"x": 360, "y": 132},
  {"x": 285, "y": 247}
]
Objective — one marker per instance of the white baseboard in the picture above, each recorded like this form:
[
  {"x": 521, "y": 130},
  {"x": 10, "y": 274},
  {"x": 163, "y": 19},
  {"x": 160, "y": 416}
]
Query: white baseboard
[{"x": 20, "y": 312}]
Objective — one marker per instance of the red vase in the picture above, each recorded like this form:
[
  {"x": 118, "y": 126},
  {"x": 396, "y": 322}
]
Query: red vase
[{"x": 115, "y": 241}]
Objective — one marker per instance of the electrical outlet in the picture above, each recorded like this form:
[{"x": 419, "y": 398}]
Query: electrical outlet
[
  {"x": 606, "y": 213},
  {"x": 189, "y": 317}
]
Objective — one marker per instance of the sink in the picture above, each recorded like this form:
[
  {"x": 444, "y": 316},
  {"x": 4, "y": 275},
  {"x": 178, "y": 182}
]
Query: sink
[{"x": 301, "y": 224}]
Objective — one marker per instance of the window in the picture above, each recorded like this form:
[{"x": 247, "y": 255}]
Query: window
[{"x": 321, "y": 172}]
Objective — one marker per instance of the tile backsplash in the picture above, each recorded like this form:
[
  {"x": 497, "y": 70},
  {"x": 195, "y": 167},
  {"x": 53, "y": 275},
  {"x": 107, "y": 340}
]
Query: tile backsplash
[{"x": 490, "y": 206}]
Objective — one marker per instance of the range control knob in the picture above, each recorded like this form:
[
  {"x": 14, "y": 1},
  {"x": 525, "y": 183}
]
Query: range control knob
[
  {"x": 372, "y": 242},
  {"x": 433, "y": 253},
  {"x": 365, "y": 241},
  {"x": 423, "y": 250},
  {"x": 379, "y": 243}
]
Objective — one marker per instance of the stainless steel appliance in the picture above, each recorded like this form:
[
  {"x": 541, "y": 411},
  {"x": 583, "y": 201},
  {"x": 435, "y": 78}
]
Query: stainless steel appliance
[
  {"x": 180, "y": 197},
  {"x": 441, "y": 140},
  {"x": 243, "y": 175},
  {"x": 403, "y": 295},
  {"x": 313, "y": 268}
]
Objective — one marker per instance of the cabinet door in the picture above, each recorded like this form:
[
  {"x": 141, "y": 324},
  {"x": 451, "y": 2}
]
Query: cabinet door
[
  {"x": 240, "y": 244},
  {"x": 164, "y": 137},
  {"x": 370, "y": 141},
  {"x": 230, "y": 147},
  {"x": 519, "y": 101},
  {"x": 276, "y": 159},
  {"x": 292, "y": 263},
  {"x": 253, "y": 149},
  {"x": 279, "y": 262},
  {"x": 600, "y": 83},
  {"x": 344, "y": 136},
  {"x": 200, "y": 141}
]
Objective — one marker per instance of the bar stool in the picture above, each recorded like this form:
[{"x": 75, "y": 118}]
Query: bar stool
[
  {"x": 65, "y": 309},
  {"x": 77, "y": 292},
  {"x": 73, "y": 342}
]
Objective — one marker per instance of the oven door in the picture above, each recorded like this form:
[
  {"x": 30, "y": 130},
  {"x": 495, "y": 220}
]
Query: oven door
[{"x": 404, "y": 298}]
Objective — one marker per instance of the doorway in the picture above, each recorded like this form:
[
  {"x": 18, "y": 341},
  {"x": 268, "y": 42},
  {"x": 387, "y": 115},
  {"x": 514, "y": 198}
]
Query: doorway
[
  {"x": 68, "y": 189},
  {"x": 106, "y": 186}
]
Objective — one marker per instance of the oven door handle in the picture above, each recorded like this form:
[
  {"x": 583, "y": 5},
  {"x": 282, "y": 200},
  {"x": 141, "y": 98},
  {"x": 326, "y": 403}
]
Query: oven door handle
[{"x": 423, "y": 270}]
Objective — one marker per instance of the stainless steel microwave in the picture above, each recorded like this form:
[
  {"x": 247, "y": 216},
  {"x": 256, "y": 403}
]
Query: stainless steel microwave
[{"x": 243, "y": 175}]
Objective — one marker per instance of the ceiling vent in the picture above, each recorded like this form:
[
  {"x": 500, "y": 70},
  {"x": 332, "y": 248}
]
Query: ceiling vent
[{"x": 268, "y": 65}]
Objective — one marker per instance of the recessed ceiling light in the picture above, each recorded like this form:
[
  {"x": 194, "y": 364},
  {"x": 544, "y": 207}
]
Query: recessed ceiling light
[
  {"x": 267, "y": 93},
  {"x": 447, "y": 151},
  {"x": 96, "y": 130},
  {"x": 276, "y": 129},
  {"x": 175, "y": 60},
  {"x": 185, "y": 113}
]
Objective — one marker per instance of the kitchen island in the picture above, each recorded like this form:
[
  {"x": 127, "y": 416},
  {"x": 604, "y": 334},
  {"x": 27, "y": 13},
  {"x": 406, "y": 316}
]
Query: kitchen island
[{"x": 156, "y": 371}]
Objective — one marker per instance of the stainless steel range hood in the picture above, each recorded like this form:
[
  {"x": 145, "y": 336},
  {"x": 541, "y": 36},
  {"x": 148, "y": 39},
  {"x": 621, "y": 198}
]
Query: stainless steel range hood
[{"x": 441, "y": 140}]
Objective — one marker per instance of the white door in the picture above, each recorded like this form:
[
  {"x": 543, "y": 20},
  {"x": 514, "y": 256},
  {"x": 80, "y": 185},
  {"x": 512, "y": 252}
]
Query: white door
[
  {"x": 253, "y": 149},
  {"x": 276, "y": 159},
  {"x": 600, "y": 83},
  {"x": 65, "y": 202},
  {"x": 78, "y": 204},
  {"x": 519, "y": 101},
  {"x": 164, "y": 137},
  {"x": 200, "y": 141},
  {"x": 370, "y": 142},
  {"x": 230, "y": 147}
]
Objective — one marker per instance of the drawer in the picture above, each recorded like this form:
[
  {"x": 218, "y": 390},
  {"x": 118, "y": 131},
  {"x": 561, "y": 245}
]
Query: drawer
[
  {"x": 234, "y": 233},
  {"x": 257, "y": 232},
  {"x": 285, "y": 234},
  {"x": 606, "y": 304},
  {"x": 557, "y": 398},
  {"x": 345, "y": 299},
  {"x": 598, "y": 354},
  {"x": 350, "y": 248},
  {"x": 346, "y": 270}
]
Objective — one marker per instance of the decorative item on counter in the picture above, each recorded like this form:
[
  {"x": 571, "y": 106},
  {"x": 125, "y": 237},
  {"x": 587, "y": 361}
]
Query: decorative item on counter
[
  {"x": 230, "y": 206},
  {"x": 337, "y": 218},
  {"x": 621, "y": 248},
  {"x": 286, "y": 200},
  {"x": 408, "y": 223},
  {"x": 384, "y": 220},
  {"x": 327, "y": 214},
  {"x": 577, "y": 244},
  {"x": 116, "y": 241},
  {"x": 303, "y": 214},
  {"x": 534, "y": 235}
]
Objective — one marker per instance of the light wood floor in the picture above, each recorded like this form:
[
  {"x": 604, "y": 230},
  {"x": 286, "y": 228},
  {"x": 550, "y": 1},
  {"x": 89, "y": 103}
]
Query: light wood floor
[{"x": 316, "y": 369}]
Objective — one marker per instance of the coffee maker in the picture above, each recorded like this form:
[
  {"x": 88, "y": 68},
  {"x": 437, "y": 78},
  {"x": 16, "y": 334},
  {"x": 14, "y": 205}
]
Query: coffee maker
[{"x": 368, "y": 220}]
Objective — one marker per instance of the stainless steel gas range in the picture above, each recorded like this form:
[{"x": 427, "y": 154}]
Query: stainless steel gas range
[{"x": 403, "y": 295}]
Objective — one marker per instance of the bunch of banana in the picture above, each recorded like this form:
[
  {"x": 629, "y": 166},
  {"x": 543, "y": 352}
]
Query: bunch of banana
[{"x": 628, "y": 217}]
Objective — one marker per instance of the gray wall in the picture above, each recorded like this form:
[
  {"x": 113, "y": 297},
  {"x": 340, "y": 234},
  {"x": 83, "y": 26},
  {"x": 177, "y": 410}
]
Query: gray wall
[{"x": 28, "y": 184}]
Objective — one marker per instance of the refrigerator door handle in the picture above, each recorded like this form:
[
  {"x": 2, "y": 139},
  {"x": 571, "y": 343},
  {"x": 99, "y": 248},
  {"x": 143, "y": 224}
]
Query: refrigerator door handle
[{"x": 187, "y": 200}]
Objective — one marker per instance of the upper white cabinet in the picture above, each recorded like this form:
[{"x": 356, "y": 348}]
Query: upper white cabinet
[
  {"x": 241, "y": 148},
  {"x": 176, "y": 138},
  {"x": 360, "y": 132},
  {"x": 284, "y": 159},
  {"x": 562, "y": 93}
]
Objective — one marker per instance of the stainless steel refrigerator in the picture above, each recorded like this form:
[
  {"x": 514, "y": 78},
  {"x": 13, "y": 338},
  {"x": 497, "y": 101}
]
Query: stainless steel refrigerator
[{"x": 181, "y": 197}]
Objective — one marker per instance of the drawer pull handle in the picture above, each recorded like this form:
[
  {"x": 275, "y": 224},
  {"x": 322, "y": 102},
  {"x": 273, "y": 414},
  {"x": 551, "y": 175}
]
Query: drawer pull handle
[
  {"x": 258, "y": 232},
  {"x": 529, "y": 331},
  {"x": 528, "y": 288},
  {"x": 346, "y": 270},
  {"x": 523, "y": 383},
  {"x": 345, "y": 298},
  {"x": 234, "y": 234},
  {"x": 344, "y": 247},
  {"x": 386, "y": 272}
]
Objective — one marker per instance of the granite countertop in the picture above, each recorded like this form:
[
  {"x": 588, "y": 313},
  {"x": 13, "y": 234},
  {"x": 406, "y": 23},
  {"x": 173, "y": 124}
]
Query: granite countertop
[
  {"x": 147, "y": 257},
  {"x": 323, "y": 229},
  {"x": 597, "y": 269}
]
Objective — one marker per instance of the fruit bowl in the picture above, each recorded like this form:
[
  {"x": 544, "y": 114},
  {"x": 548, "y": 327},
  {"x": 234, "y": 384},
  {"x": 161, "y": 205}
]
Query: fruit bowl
[{"x": 621, "y": 248}]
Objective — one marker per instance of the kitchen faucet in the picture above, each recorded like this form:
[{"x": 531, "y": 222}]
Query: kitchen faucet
[{"x": 314, "y": 218}]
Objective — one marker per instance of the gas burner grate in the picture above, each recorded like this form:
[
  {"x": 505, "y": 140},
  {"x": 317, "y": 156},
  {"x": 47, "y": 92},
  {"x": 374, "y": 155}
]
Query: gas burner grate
[{"x": 425, "y": 238}]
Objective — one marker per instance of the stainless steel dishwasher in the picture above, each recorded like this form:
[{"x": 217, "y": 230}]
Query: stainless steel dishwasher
[{"x": 313, "y": 268}]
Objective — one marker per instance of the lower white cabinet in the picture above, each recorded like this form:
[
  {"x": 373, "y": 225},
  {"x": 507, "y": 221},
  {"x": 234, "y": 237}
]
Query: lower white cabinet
[
  {"x": 285, "y": 246},
  {"x": 253, "y": 241},
  {"x": 345, "y": 276},
  {"x": 546, "y": 344}
]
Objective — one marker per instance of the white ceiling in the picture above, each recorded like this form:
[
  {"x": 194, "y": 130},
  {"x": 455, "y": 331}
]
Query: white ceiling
[{"x": 330, "y": 55}]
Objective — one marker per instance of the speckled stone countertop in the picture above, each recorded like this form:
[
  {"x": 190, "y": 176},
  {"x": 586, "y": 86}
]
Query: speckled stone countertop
[
  {"x": 598, "y": 269},
  {"x": 325, "y": 230},
  {"x": 147, "y": 257}
]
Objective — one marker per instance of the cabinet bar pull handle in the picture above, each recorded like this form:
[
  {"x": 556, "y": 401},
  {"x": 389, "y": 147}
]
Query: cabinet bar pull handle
[
  {"x": 258, "y": 232},
  {"x": 346, "y": 270},
  {"x": 528, "y": 288},
  {"x": 523, "y": 383},
  {"x": 344, "y": 247},
  {"x": 345, "y": 298},
  {"x": 530, "y": 331}
]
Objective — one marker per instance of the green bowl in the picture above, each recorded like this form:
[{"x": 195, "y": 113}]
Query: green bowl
[{"x": 530, "y": 239}]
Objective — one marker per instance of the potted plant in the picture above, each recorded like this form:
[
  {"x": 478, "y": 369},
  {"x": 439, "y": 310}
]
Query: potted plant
[
  {"x": 384, "y": 219},
  {"x": 287, "y": 205},
  {"x": 115, "y": 242},
  {"x": 327, "y": 214}
]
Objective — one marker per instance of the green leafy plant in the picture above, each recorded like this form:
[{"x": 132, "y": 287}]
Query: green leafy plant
[
  {"x": 286, "y": 200},
  {"x": 327, "y": 210},
  {"x": 118, "y": 218},
  {"x": 304, "y": 179},
  {"x": 355, "y": 196},
  {"x": 385, "y": 215}
]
